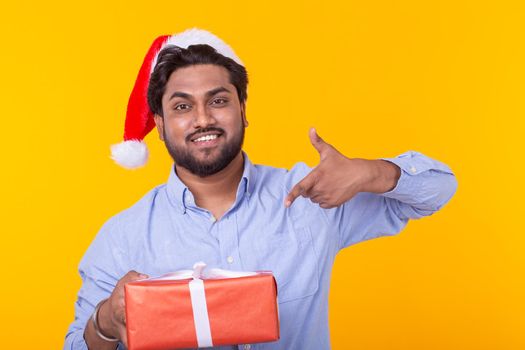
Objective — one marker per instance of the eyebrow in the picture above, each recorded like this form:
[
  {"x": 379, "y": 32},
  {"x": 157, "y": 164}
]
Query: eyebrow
[{"x": 208, "y": 93}]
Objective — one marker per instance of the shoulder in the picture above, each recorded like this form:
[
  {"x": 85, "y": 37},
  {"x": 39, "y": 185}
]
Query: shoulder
[
  {"x": 142, "y": 208},
  {"x": 117, "y": 234},
  {"x": 122, "y": 225}
]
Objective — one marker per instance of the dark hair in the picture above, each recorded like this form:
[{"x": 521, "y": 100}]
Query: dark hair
[{"x": 173, "y": 57}]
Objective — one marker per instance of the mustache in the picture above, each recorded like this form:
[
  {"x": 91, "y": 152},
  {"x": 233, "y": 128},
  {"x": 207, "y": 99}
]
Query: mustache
[{"x": 203, "y": 131}]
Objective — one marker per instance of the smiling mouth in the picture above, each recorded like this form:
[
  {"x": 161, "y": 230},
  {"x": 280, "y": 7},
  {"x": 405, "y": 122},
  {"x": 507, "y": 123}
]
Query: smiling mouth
[{"x": 206, "y": 138}]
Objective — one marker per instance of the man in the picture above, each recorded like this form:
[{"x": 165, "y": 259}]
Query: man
[{"x": 219, "y": 208}]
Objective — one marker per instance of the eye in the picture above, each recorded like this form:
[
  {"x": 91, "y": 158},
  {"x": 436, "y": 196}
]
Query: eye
[
  {"x": 182, "y": 106},
  {"x": 219, "y": 101}
]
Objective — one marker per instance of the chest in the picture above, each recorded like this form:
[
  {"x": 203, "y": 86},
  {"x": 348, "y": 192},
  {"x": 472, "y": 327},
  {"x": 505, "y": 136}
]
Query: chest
[{"x": 254, "y": 237}]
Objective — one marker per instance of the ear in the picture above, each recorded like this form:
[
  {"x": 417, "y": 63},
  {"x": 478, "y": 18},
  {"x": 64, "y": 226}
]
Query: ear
[
  {"x": 243, "y": 114},
  {"x": 159, "y": 122}
]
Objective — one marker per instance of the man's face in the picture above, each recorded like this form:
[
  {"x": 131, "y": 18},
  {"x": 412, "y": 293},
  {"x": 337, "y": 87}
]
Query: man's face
[{"x": 203, "y": 123}]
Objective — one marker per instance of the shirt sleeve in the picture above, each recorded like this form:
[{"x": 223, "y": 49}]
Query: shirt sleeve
[
  {"x": 424, "y": 187},
  {"x": 100, "y": 270}
]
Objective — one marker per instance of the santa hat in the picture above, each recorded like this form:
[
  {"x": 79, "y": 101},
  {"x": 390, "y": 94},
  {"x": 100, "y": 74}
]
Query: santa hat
[{"x": 133, "y": 152}]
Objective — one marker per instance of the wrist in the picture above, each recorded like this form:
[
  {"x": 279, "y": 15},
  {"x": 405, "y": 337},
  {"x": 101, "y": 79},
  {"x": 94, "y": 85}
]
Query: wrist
[
  {"x": 104, "y": 322},
  {"x": 384, "y": 176}
]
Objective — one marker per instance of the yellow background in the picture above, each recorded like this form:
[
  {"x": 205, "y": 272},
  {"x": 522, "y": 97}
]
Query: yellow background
[{"x": 376, "y": 78}]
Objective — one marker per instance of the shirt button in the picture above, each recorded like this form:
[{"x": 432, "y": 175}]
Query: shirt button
[
  {"x": 212, "y": 218},
  {"x": 230, "y": 260},
  {"x": 413, "y": 169},
  {"x": 247, "y": 346}
]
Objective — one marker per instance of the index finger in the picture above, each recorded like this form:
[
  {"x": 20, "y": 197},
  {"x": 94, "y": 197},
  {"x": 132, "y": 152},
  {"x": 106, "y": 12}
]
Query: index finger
[{"x": 300, "y": 189}]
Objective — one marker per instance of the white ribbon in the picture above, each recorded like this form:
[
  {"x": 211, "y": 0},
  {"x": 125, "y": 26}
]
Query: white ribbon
[
  {"x": 201, "y": 272},
  {"x": 200, "y": 314},
  {"x": 198, "y": 296}
]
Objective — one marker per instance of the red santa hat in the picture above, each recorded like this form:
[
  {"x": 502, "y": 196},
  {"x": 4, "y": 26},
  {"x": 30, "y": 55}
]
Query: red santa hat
[{"x": 133, "y": 152}]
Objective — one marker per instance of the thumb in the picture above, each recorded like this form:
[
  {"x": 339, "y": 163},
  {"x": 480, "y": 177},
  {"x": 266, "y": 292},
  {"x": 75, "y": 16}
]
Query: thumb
[{"x": 318, "y": 143}]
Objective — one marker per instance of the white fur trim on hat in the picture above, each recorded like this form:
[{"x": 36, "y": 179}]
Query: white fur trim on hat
[
  {"x": 130, "y": 154},
  {"x": 196, "y": 36}
]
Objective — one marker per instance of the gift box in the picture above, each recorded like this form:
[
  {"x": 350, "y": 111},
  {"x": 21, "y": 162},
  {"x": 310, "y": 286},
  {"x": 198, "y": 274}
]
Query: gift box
[{"x": 201, "y": 308}]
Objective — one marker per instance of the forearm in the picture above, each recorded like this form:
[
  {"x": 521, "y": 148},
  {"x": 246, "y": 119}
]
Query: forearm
[{"x": 425, "y": 184}]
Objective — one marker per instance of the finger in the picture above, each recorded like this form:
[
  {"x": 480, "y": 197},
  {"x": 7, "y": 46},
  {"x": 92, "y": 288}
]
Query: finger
[
  {"x": 316, "y": 199},
  {"x": 326, "y": 205},
  {"x": 318, "y": 143},
  {"x": 302, "y": 188},
  {"x": 134, "y": 275},
  {"x": 124, "y": 336}
]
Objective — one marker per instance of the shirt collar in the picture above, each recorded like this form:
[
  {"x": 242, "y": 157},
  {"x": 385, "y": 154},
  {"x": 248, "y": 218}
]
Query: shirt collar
[{"x": 178, "y": 192}]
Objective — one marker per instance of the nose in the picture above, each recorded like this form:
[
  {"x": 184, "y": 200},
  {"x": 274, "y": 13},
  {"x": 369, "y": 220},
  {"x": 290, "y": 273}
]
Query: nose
[{"x": 203, "y": 117}]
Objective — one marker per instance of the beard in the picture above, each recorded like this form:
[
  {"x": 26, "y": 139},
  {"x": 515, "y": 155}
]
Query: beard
[{"x": 202, "y": 168}]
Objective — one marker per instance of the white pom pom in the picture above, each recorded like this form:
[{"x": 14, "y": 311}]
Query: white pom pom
[{"x": 130, "y": 154}]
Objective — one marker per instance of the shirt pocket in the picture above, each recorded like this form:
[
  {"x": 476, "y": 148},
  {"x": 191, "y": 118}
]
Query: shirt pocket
[{"x": 291, "y": 257}]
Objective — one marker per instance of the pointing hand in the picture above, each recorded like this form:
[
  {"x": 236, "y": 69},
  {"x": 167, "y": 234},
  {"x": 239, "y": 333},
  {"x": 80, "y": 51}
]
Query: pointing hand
[{"x": 336, "y": 179}]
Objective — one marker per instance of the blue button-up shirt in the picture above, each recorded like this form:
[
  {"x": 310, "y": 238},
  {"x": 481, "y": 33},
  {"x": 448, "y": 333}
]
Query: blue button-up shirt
[{"x": 166, "y": 231}]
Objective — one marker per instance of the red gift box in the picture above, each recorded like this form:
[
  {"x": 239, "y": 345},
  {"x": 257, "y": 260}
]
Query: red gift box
[{"x": 179, "y": 311}]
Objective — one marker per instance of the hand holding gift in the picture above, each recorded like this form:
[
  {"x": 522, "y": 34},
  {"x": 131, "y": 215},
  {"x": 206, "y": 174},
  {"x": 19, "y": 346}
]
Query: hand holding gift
[{"x": 111, "y": 316}]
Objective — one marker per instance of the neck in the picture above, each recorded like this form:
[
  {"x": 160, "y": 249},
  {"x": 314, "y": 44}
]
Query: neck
[{"x": 216, "y": 192}]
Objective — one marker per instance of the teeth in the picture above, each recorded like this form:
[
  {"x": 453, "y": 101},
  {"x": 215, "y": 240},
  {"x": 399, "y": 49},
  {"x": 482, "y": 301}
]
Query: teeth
[{"x": 206, "y": 138}]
